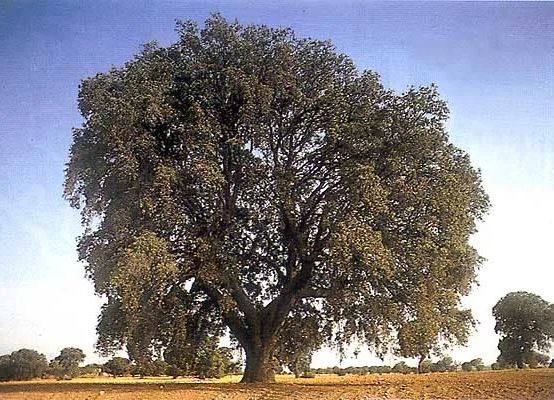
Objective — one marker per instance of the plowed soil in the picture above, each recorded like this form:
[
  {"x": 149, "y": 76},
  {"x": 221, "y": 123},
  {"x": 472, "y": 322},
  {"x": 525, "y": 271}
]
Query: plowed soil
[{"x": 505, "y": 385}]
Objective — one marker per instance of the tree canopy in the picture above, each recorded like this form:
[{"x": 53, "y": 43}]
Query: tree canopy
[
  {"x": 67, "y": 362},
  {"x": 525, "y": 323},
  {"x": 243, "y": 174},
  {"x": 299, "y": 337},
  {"x": 22, "y": 364},
  {"x": 474, "y": 365},
  {"x": 117, "y": 366}
]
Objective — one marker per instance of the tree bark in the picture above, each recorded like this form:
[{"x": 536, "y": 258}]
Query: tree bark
[
  {"x": 420, "y": 364},
  {"x": 297, "y": 372},
  {"x": 259, "y": 362}
]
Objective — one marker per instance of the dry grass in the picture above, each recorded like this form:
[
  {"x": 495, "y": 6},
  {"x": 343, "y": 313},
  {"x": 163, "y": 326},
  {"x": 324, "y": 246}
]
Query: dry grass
[{"x": 505, "y": 385}]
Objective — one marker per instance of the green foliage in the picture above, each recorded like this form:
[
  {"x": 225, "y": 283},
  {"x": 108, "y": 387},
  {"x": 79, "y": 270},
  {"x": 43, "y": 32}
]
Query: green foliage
[
  {"x": 525, "y": 323},
  {"x": 55, "y": 369},
  {"x": 400, "y": 367},
  {"x": 299, "y": 338},
  {"x": 425, "y": 366},
  {"x": 496, "y": 366},
  {"x": 467, "y": 367},
  {"x": 300, "y": 364},
  {"x": 90, "y": 370},
  {"x": 213, "y": 363},
  {"x": 473, "y": 365},
  {"x": 175, "y": 371},
  {"x": 537, "y": 360},
  {"x": 503, "y": 364},
  {"x": 5, "y": 368},
  {"x": 445, "y": 364},
  {"x": 204, "y": 359},
  {"x": 433, "y": 332},
  {"x": 403, "y": 368},
  {"x": 157, "y": 367},
  {"x": 117, "y": 366},
  {"x": 22, "y": 365},
  {"x": 66, "y": 364},
  {"x": 380, "y": 369},
  {"x": 243, "y": 174}
]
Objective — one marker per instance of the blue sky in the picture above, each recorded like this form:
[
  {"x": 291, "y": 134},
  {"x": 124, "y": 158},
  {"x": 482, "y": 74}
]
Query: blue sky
[{"x": 492, "y": 62}]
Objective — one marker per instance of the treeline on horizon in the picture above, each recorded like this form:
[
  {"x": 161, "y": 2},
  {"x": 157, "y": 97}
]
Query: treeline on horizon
[
  {"x": 444, "y": 364},
  {"x": 26, "y": 364},
  {"x": 524, "y": 321}
]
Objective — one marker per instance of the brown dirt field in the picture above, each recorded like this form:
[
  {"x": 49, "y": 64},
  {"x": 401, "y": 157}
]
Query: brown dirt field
[{"x": 505, "y": 385}]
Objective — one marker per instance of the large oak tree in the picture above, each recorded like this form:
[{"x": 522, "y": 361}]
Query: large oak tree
[{"x": 243, "y": 177}]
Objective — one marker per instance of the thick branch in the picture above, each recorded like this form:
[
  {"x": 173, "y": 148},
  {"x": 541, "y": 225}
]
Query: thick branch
[{"x": 230, "y": 316}]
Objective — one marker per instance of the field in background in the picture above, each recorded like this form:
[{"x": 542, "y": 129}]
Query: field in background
[{"x": 505, "y": 385}]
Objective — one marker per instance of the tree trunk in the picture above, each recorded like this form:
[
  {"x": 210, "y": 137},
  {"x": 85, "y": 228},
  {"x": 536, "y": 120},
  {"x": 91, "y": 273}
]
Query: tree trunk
[
  {"x": 259, "y": 362},
  {"x": 420, "y": 364},
  {"x": 297, "y": 372}
]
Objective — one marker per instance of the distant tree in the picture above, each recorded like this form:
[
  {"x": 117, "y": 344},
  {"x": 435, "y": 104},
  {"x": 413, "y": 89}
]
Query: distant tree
[
  {"x": 139, "y": 369},
  {"x": 401, "y": 368},
  {"x": 496, "y": 366},
  {"x": 117, "y": 366},
  {"x": 181, "y": 358},
  {"x": 213, "y": 363},
  {"x": 5, "y": 368},
  {"x": 244, "y": 172},
  {"x": 478, "y": 364},
  {"x": 67, "y": 362},
  {"x": 300, "y": 363},
  {"x": 235, "y": 367},
  {"x": 55, "y": 369},
  {"x": 431, "y": 332},
  {"x": 90, "y": 369},
  {"x": 551, "y": 364},
  {"x": 362, "y": 370},
  {"x": 424, "y": 366},
  {"x": 157, "y": 367},
  {"x": 525, "y": 323},
  {"x": 445, "y": 364},
  {"x": 466, "y": 366},
  {"x": 537, "y": 360},
  {"x": 380, "y": 369},
  {"x": 503, "y": 364},
  {"x": 22, "y": 365},
  {"x": 175, "y": 371},
  {"x": 204, "y": 359},
  {"x": 473, "y": 365}
]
